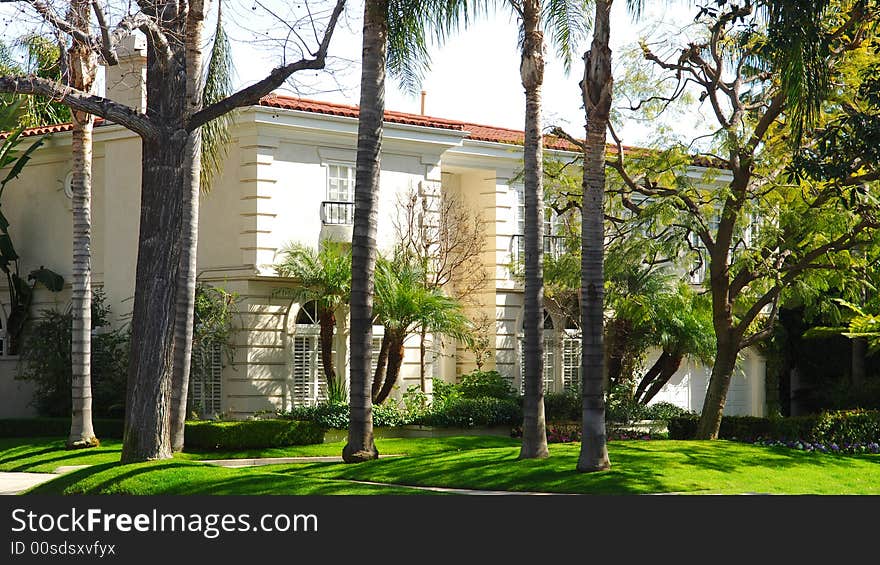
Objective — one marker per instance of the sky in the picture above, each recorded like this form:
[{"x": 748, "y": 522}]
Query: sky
[{"x": 474, "y": 77}]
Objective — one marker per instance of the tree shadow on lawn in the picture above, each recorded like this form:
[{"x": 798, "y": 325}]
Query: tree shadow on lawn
[
  {"x": 17, "y": 454},
  {"x": 637, "y": 468}
]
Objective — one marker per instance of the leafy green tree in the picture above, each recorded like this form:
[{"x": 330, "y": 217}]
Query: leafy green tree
[
  {"x": 759, "y": 229},
  {"x": 323, "y": 275},
  {"x": 404, "y": 304}
]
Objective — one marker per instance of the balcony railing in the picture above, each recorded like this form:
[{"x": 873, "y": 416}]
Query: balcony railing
[
  {"x": 554, "y": 245},
  {"x": 337, "y": 213}
]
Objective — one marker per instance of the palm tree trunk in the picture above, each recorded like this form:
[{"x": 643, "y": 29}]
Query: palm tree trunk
[
  {"x": 83, "y": 68},
  {"x": 597, "y": 86},
  {"x": 327, "y": 323},
  {"x": 183, "y": 325},
  {"x": 395, "y": 361},
  {"x": 381, "y": 363},
  {"x": 423, "y": 335},
  {"x": 360, "y": 446},
  {"x": 534, "y": 442},
  {"x": 657, "y": 377}
]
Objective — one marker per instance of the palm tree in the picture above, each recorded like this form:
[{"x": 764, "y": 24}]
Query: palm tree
[
  {"x": 405, "y": 304},
  {"x": 83, "y": 69},
  {"x": 325, "y": 277},
  {"x": 205, "y": 153},
  {"x": 565, "y": 21},
  {"x": 394, "y": 36}
]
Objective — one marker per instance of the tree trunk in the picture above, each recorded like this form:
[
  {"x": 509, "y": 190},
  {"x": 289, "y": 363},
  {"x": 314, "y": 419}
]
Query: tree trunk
[
  {"x": 186, "y": 295},
  {"x": 147, "y": 433},
  {"x": 719, "y": 382},
  {"x": 381, "y": 363},
  {"x": 596, "y": 87},
  {"x": 395, "y": 361},
  {"x": 360, "y": 446},
  {"x": 859, "y": 348},
  {"x": 83, "y": 67},
  {"x": 423, "y": 335},
  {"x": 327, "y": 323},
  {"x": 534, "y": 442},
  {"x": 615, "y": 350},
  {"x": 657, "y": 377}
]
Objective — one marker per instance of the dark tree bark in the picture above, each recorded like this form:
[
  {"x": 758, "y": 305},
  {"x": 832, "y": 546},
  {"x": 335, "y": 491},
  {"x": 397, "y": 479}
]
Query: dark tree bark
[
  {"x": 327, "y": 323},
  {"x": 534, "y": 441},
  {"x": 658, "y": 375},
  {"x": 360, "y": 446},
  {"x": 395, "y": 361},
  {"x": 597, "y": 88},
  {"x": 381, "y": 364}
]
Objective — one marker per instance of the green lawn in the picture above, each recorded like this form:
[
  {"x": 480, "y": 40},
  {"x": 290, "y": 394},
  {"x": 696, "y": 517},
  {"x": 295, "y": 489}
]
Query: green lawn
[
  {"x": 638, "y": 467},
  {"x": 44, "y": 455}
]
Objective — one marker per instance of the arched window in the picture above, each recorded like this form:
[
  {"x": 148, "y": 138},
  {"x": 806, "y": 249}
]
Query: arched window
[{"x": 309, "y": 385}]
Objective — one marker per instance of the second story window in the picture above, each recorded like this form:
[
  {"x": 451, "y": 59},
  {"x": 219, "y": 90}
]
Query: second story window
[{"x": 339, "y": 206}]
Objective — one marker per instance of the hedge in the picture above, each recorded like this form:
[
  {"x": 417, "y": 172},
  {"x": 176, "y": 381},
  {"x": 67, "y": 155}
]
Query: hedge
[
  {"x": 247, "y": 434},
  {"x": 203, "y": 434},
  {"x": 848, "y": 426},
  {"x": 470, "y": 412}
]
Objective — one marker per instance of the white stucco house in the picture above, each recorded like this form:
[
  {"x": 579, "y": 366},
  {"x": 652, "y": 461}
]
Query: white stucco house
[{"x": 289, "y": 176}]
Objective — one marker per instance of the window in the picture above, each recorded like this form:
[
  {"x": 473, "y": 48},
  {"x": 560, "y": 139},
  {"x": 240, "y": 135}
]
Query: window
[
  {"x": 562, "y": 357},
  {"x": 205, "y": 380},
  {"x": 549, "y": 379},
  {"x": 309, "y": 385},
  {"x": 340, "y": 195}
]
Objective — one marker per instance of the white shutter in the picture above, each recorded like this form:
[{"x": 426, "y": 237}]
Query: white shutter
[
  {"x": 301, "y": 369},
  {"x": 571, "y": 362}
]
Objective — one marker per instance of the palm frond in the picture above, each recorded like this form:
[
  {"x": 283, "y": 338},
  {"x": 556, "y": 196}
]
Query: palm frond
[
  {"x": 218, "y": 85},
  {"x": 567, "y": 22}
]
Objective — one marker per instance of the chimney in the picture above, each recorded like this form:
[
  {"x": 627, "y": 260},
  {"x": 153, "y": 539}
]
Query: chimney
[
  {"x": 126, "y": 82},
  {"x": 424, "y": 94}
]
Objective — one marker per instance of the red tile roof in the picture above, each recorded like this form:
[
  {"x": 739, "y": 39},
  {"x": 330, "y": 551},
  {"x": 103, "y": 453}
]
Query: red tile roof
[{"x": 476, "y": 132}]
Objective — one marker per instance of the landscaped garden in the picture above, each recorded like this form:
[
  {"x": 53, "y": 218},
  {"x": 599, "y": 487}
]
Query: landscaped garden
[{"x": 461, "y": 462}]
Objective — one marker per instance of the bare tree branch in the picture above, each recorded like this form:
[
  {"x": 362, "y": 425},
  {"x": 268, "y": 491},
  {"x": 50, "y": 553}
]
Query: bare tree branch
[
  {"x": 252, "y": 94},
  {"x": 78, "y": 100}
]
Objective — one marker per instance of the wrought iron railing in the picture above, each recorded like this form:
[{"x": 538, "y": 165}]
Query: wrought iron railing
[
  {"x": 337, "y": 213},
  {"x": 554, "y": 245}
]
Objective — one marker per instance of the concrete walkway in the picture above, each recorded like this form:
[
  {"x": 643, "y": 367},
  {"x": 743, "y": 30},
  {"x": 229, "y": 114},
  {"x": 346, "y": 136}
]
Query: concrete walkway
[{"x": 17, "y": 483}]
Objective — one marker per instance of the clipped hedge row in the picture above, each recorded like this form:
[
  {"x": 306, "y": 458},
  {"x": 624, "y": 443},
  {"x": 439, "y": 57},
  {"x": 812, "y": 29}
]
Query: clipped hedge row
[
  {"x": 842, "y": 427},
  {"x": 203, "y": 434},
  {"x": 247, "y": 434}
]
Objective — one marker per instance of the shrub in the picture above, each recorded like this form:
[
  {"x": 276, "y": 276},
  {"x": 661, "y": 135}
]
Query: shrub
[
  {"x": 663, "y": 411},
  {"x": 470, "y": 412},
  {"x": 45, "y": 360},
  {"x": 844, "y": 427},
  {"x": 485, "y": 384},
  {"x": 847, "y": 427},
  {"x": 443, "y": 391},
  {"x": 562, "y": 406},
  {"x": 623, "y": 409},
  {"x": 335, "y": 415},
  {"x": 248, "y": 434}
]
